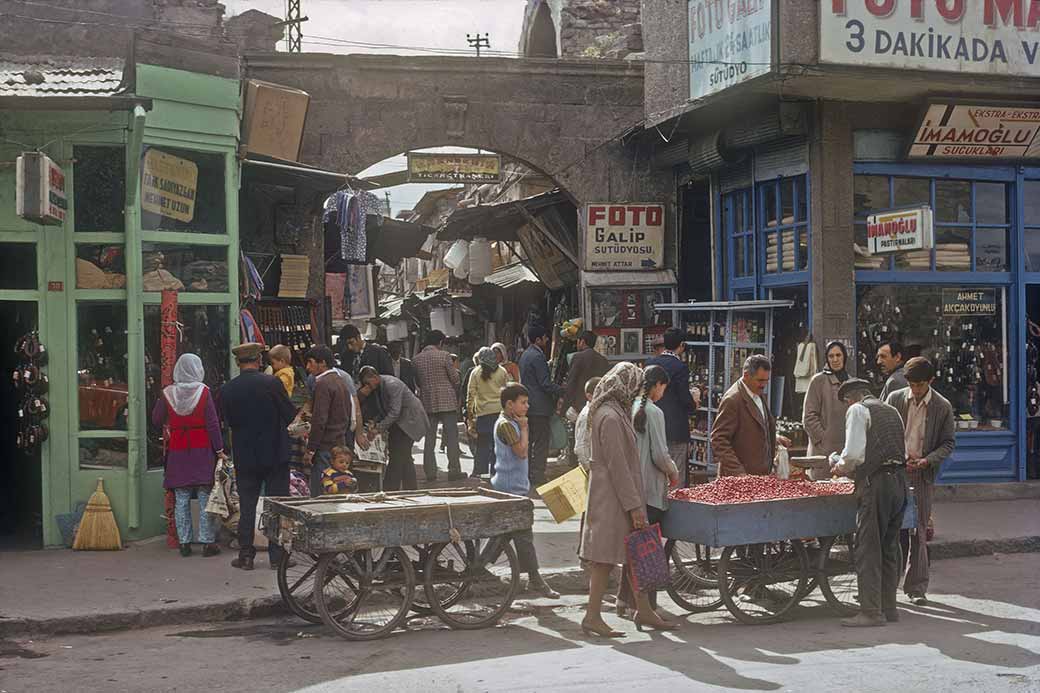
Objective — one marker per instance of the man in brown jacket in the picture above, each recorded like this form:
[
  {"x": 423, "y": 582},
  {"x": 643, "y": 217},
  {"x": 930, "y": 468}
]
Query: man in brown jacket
[
  {"x": 743, "y": 436},
  {"x": 330, "y": 414}
]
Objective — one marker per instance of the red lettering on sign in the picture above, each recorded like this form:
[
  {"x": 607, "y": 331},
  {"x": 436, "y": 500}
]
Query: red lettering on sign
[
  {"x": 838, "y": 7},
  {"x": 596, "y": 214},
  {"x": 951, "y": 10},
  {"x": 55, "y": 286},
  {"x": 616, "y": 215},
  {"x": 654, "y": 216},
  {"x": 637, "y": 215},
  {"x": 881, "y": 8},
  {"x": 1009, "y": 10}
]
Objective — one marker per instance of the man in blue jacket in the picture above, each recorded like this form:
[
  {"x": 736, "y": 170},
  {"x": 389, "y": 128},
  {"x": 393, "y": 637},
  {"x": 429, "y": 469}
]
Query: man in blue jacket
[
  {"x": 677, "y": 402},
  {"x": 542, "y": 396}
]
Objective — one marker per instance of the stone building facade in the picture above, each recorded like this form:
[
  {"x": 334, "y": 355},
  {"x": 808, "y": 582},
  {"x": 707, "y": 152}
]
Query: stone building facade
[{"x": 582, "y": 29}]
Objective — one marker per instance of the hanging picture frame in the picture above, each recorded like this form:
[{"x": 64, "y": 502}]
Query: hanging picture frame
[
  {"x": 360, "y": 298},
  {"x": 632, "y": 342}
]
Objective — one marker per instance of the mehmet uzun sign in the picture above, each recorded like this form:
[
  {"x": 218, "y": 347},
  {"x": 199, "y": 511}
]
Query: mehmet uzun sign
[
  {"x": 995, "y": 37},
  {"x": 898, "y": 230}
]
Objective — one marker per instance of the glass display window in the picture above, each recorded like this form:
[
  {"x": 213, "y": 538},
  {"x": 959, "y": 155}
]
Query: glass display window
[
  {"x": 738, "y": 220},
  {"x": 18, "y": 266},
  {"x": 1031, "y": 232},
  {"x": 99, "y": 188},
  {"x": 959, "y": 329},
  {"x": 972, "y": 222},
  {"x": 100, "y": 266},
  {"x": 203, "y": 330},
  {"x": 102, "y": 365},
  {"x": 784, "y": 206},
  {"x": 189, "y": 268},
  {"x": 182, "y": 190},
  {"x": 103, "y": 453}
]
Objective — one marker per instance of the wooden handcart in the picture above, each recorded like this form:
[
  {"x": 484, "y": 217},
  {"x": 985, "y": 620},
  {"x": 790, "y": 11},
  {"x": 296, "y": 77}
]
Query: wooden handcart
[
  {"x": 360, "y": 563},
  {"x": 762, "y": 558}
]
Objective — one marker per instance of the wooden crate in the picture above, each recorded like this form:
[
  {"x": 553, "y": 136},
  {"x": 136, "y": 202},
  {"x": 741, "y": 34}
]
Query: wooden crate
[
  {"x": 765, "y": 521},
  {"x": 329, "y": 523}
]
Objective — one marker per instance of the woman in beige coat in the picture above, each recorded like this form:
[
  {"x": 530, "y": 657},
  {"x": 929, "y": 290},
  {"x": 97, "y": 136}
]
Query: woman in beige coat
[
  {"x": 616, "y": 501},
  {"x": 823, "y": 413}
]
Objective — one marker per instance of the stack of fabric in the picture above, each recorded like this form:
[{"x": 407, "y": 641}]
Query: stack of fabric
[
  {"x": 295, "y": 269},
  {"x": 787, "y": 240}
]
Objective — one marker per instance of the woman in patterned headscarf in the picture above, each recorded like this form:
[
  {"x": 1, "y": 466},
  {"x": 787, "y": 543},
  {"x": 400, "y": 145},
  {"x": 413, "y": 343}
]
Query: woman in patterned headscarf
[{"x": 616, "y": 502}]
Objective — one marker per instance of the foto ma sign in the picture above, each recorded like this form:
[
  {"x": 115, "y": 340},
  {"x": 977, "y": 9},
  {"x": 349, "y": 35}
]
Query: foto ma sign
[{"x": 899, "y": 230}]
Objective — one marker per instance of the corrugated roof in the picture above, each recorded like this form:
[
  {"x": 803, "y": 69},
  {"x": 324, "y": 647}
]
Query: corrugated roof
[
  {"x": 60, "y": 76},
  {"x": 512, "y": 275}
]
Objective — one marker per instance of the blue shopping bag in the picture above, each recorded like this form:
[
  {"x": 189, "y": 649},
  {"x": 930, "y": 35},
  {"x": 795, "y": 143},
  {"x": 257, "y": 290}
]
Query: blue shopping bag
[{"x": 647, "y": 563}]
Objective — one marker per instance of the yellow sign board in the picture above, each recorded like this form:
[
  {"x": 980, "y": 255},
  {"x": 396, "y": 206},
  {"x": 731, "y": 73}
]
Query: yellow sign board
[
  {"x": 567, "y": 495},
  {"x": 168, "y": 185},
  {"x": 454, "y": 168}
]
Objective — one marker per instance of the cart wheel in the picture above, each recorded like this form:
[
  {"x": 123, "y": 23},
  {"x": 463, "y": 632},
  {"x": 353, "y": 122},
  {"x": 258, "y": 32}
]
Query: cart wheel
[
  {"x": 812, "y": 553},
  {"x": 837, "y": 569},
  {"x": 366, "y": 593},
  {"x": 482, "y": 577},
  {"x": 695, "y": 577},
  {"x": 448, "y": 593},
  {"x": 761, "y": 582},
  {"x": 296, "y": 584}
]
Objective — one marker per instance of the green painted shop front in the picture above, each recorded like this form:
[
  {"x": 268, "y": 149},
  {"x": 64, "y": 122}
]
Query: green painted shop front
[{"x": 92, "y": 288}]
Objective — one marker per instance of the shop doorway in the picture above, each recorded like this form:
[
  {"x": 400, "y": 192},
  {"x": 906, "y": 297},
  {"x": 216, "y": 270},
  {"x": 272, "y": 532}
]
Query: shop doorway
[
  {"x": 695, "y": 273},
  {"x": 21, "y": 497},
  {"x": 1032, "y": 390},
  {"x": 791, "y": 337}
]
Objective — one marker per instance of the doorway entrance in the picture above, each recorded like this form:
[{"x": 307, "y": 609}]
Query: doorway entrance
[
  {"x": 1032, "y": 390},
  {"x": 21, "y": 477}
]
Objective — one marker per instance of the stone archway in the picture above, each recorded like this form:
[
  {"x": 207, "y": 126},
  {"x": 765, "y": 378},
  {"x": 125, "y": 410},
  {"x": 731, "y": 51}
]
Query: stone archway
[{"x": 540, "y": 39}]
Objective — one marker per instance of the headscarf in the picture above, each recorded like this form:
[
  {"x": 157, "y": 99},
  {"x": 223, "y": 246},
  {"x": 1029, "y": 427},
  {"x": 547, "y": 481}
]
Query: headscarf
[
  {"x": 621, "y": 384},
  {"x": 501, "y": 348},
  {"x": 843, "y": 374},
  {"x": 486, "y": 358},
  {"x": 184, "y": 395}
]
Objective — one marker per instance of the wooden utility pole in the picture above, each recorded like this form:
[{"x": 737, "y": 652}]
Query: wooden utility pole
[{"x": 477, "y": 41}]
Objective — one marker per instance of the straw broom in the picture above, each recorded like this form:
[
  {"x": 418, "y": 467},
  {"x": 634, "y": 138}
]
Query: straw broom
[{"x": 98, "y": 530}]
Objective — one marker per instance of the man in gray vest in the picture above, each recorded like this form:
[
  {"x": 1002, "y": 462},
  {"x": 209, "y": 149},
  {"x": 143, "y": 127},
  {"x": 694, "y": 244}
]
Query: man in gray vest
[{"x": 875, "y": 457}]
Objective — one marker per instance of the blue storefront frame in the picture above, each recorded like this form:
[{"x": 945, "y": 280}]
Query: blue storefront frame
[{"x": 991, "y": 456}]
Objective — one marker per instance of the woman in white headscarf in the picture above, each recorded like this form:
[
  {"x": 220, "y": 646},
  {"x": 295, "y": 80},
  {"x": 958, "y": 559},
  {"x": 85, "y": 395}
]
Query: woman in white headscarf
[
  {"x": 502, "y": 354},
  {"x": 193, "y": 443},
  {"x": 617, "y": 504}
]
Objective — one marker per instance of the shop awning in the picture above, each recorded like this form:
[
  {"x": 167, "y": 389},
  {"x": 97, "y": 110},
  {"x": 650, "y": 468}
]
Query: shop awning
[
  {"x": 724, "y": 305},
  {"x": 501, "y": 221},
  {"x": 266, "y": 169},
  {"x": 512, "y": 275},
  {"x": 665, "y": 277},
  {"x": 392, "y": 240}
]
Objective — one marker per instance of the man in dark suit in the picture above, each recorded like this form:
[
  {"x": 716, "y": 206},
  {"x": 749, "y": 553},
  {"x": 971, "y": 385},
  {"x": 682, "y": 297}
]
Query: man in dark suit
[
  {"x": 930, "y": 439},
  {"x": 404, "y": 369},
  {"x": 254, "y": 405},
  {"x": 542, "y": 395},
  {"x": 677, "y": 403},
  {"x": 586, "y": 364}
]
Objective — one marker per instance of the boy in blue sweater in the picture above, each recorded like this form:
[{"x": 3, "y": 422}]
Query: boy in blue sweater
[{"x": 512, "y": 439}]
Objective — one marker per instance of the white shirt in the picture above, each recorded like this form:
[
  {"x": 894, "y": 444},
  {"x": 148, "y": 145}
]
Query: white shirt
[
  {"x": 857, "y": 423},
  {"x": 582, "y": 440},
  {"x": 756, "y": 399}
]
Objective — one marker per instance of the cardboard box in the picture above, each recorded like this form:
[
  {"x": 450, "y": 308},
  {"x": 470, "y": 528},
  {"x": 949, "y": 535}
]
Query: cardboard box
[
  {"x": 273, "y": 120},
  {"x": 567, "y": 495}
]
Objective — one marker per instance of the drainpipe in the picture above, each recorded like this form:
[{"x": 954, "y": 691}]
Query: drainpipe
[{"x": 136, "y": 425}]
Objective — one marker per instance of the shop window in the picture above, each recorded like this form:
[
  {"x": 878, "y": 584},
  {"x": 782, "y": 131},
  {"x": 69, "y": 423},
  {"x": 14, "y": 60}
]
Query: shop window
[
  {"x": 785, "y": 225},
  {"x": 1031, "y": 198},
  {"x": 202, "y": 330},
  {"x": 191, "y": 268},
  {"x": 741, "y": 232},
  {"x": 103, "y": 453},
  {"x": 972, "y": 222},
  {"x": 99, "y": 188},
  {"x": 102, "y": 365},
  {"x": 100, "y": 267},
  {"x": 182, "y": 190},
  {"x": 959, "y": 329},
  {"x": 18, "y": 266}
]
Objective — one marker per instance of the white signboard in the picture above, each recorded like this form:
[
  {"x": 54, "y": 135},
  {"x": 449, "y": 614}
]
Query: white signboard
[
  {"x": 40, "y": 189},
  {"x": 978, "y": 132},
  {"x": 731, "y": 41},
  {"x": 622, "y": 237},
  {"x": 995, "y": 37},
  {"x": 899, "y": 230}
]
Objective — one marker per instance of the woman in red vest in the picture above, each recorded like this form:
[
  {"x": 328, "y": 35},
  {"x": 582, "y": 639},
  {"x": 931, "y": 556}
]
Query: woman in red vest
[{"x": 194, "y": 442}]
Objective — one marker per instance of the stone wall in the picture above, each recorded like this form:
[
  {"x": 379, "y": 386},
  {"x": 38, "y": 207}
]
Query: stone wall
[{"x": 588, "y": 28}]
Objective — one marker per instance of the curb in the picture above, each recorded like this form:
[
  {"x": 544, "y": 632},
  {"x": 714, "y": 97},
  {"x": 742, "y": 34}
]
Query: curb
[{"x": 572, "y": 580}]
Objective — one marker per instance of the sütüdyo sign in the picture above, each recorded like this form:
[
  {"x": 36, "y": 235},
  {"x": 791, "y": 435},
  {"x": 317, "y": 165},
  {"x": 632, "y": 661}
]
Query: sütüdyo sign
[
  {"x": 898, "y": 230},
  {"x": 624, "y": 237}
]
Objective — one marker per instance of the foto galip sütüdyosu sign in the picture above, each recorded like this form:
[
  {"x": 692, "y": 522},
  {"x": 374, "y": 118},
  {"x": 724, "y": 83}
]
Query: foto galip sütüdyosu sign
[
  {"x": 969, "y": 301},
  {"x": 622, "y": 237},
  {"x": 169, "y": 185},
  {"x": 898, "y": 230},
  {"x": 993, "y": 37},
  {"x": 964, "y": 131},
  {"x": 454, "y": 168},
  {"x": 731, "y": 41}
]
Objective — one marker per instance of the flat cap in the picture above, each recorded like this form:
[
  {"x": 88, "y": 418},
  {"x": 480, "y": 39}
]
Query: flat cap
[
  {"x": 250, "y": 351},
  {"x": 852, "y": 385}
]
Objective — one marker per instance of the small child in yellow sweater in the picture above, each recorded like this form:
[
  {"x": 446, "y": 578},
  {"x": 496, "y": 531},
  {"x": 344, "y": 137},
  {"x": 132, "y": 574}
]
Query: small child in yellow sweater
[{"x": 281, "y": 364}]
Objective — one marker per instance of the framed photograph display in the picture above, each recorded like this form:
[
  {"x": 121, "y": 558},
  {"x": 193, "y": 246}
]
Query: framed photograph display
[
  {"x": 632, "y": 341},
  {"x": 608, "y": 342},
  {"x": 606, "y": 308}
]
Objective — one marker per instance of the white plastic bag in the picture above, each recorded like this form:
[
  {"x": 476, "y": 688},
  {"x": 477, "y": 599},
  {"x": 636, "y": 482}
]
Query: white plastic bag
[{"x": 783, "y": 463}]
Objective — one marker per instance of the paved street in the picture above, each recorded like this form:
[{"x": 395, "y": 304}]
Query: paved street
[{"x": 982, "y": 633}]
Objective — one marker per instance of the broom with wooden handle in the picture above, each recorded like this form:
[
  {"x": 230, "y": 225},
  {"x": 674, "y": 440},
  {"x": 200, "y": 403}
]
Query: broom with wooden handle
[{"x": 98, "y": 530}]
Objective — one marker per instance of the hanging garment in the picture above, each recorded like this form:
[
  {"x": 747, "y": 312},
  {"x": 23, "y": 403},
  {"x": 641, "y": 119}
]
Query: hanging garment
[{"x": 805, "y": 366}]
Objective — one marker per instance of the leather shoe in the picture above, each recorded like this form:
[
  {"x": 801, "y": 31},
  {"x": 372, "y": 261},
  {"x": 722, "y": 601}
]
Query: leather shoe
[
  {"x": 210, "y": 550},
  {"x": 861, "y": 620},
  {"x": 242, "y": 563},
  {"x": 892, "y": 616},
  {"x": 185, "y": 550},
  {"x": 918, "y": 599}
]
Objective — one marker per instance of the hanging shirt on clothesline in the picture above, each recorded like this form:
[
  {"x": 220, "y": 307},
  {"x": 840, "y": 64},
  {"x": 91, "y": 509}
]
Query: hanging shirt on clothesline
[{"x": 351, "y": 210}]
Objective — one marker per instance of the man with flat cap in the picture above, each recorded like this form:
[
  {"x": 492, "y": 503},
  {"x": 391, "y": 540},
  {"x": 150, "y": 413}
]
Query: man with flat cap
[
  {"x": 254, "y": 405},
  {"x": 875, "y": 457}
]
